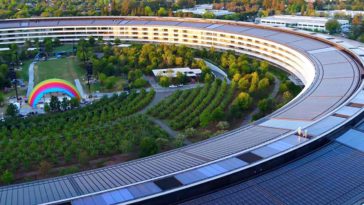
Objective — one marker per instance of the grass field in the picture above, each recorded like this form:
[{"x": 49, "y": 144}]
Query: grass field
[
  {"x": 23, "y": 74},
  {"x": 64, "y": 47},
  {"x": 64, "y": 68}
]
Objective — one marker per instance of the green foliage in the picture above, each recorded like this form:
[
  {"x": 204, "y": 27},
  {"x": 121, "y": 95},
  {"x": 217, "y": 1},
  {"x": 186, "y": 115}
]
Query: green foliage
[
  {"x": 263, "y": 84},
  {"x": 106, "y": 127},
  {"x": 11, "y": 110},
  {"x": 223, "y": 125},
  {"x": 83, "y": 158},
  {"x": 164, "y": 81},
  {"x": 243, "y": 101},
  {"x": 197, "y": 107},
  {"x": 55, "y": 104},
  {"x": 208, "y": 15},
  {"x": 148, "y": 146},
  {"x": 139, "y": 83},
  {"x": 2, "y": 99},
  {"x": 7, "y": 177},
  {"x": 333, "y": 26}
]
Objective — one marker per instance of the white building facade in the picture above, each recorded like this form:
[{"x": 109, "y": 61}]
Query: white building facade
[{"x": 301, "y": 22}]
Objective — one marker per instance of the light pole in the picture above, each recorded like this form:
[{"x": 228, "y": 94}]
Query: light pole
[
  {"x": 89, "y": 75},
  {"x": 13, "y": 79}
]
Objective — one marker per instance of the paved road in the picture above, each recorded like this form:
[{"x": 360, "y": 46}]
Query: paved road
[
  {"x": 31, "y": 78},
  {"x": 218, "y": 72}
]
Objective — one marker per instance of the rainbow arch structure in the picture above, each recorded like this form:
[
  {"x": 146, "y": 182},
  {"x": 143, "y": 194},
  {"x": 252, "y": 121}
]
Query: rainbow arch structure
[{"x": 51, "y": 86}]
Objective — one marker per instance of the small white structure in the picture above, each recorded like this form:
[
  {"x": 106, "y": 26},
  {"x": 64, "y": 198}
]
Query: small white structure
[
  {"x": 301, "y": 22},
  {"x": 124, "y": 45},
  {"x": 4, "y": 49},
  {"x": 172, "y": 72},
  {"x": 32, "y": 49}
]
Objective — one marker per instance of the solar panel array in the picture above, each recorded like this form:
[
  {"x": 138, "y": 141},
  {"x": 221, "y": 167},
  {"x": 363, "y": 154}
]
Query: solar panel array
[{"x": 332, "y": 175}]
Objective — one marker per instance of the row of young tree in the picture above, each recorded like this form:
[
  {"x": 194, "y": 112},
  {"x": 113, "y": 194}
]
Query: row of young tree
[
  {"x": 197, "y": 107},
  {"x": 104, "y": 128},
  {"x": 251, "y": 87}
]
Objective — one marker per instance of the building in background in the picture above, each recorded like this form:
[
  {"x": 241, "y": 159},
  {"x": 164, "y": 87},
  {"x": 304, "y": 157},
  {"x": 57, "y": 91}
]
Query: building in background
[
  {"x": 204, "y": 8},
  {"x": 332, "y": 13},
  {"x": 301, "y": 22}
]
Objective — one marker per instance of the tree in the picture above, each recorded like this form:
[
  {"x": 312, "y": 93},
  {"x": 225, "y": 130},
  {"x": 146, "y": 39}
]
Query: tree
[
  {"x": 263, "y": 84},
  {"x": 264, "y": 66},
  {"x": 91, "y": 41},
  {"x": 361, "y": 38},
  {"x": 139, "y": 83},
  {"x": 2, "y": 99},
  {"x": 56, "y": 42},
  {"x": 48, "y": 44},
  {"x": 223, "y": 125},
  {"x": 205, "y": 118},
  {"x": 64, "y": 103},
  {"x": 55, "y": 104},
  {"x": 12, "y": 110},
  {"x": 243, "y": 101},
  {"x": 208, "y": 15},
  {"x": 83, "y": 158},
  {"x": 7, "y": 177},
  {"x": 164, "y": 81},
  {"x": 148, "y": 146},
  {"x": 217, "y": 114},
  {"x": 181, "y": 78},
  {"x": 208, "y": 78},
  {"x": 265, "y": 105},
  {"x": 287, "y": 96},
  {"x": 46, "y": 107},
  {"x": 44, "y": 168},
  {"x": 117, "y": 41},
  {"x": 74, "y": 103},
  {"x": 148, "y": 11},
  {"x": 333, "y": 26},
  {"x": 162, "y": 12}
]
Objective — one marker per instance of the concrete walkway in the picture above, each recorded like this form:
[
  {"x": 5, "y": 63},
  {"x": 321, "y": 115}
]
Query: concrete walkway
[
  {"x": 31, "y": 78},
  {"x": 172, "y": 133},
  {"x": 79, "y": 88},
  {"x": 217, "y": 71}
]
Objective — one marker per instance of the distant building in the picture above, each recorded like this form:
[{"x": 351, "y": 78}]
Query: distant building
[
  {"x": 301, "y": 22},
  {"x": 332, "y": 13},
  {"x": 172, "y": 72},
  {"x": 203, "y": 8}
]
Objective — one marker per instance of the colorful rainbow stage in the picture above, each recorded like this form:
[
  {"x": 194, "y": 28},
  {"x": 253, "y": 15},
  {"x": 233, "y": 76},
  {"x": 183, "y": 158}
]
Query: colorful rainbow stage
[{"x": 51, "y": 86}]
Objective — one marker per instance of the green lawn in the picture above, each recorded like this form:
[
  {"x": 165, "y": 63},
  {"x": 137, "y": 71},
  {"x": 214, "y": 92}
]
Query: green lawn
[
  {"x": 69, "y": 69},
  {"x": 64, "y": 47},
  {"x": 64, "y": 68},
  {"x": 23, "y": 74}
]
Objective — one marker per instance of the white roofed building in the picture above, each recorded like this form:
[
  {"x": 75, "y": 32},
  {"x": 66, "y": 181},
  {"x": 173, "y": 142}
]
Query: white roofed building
[
  {"x": 301, "y": 22},
  {"x": 172, "y": 72}
]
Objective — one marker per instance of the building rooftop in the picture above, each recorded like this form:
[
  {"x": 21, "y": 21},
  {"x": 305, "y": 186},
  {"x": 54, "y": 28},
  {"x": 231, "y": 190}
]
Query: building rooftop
[
  {"x": 172, "y": 72},
  {"x": 301, "y": 19}
]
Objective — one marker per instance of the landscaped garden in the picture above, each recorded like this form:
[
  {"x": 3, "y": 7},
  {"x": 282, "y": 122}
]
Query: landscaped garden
[
  {"x": 112, "y": 130},
  {"x": 83, "y": 138}
]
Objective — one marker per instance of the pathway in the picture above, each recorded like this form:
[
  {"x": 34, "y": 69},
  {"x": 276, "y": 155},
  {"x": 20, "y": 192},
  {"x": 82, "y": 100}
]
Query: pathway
[
  {"x": 159, "y": 96},
  {"x": 31, "y": 78},
  {"x": 80, "y": 88},
  {"x": 275, "y": 91},
  {"x": 217, "y": 71}
]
